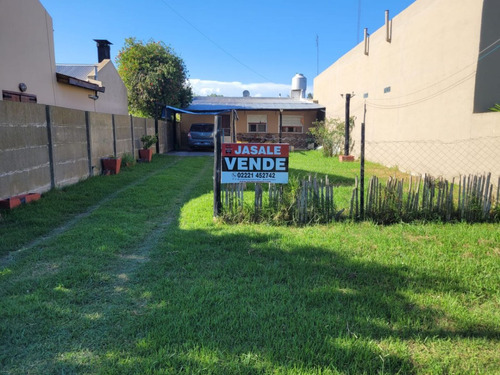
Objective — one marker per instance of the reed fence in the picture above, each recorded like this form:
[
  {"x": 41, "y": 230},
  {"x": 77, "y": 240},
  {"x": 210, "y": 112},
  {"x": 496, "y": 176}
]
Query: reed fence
[{"x": 311, "y": 200}]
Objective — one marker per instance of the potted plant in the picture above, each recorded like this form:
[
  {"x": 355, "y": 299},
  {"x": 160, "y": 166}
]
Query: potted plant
[
  {"x": 145, "y": 154},
  {"x": 111, "y": 165}
]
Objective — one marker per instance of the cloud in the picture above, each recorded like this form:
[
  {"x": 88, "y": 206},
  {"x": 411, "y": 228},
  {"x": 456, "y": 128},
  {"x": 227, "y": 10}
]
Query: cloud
[{"x": 205, "y": 87}]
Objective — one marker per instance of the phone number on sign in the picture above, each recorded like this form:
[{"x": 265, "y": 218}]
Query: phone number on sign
[{"x": 262, "y": 175}]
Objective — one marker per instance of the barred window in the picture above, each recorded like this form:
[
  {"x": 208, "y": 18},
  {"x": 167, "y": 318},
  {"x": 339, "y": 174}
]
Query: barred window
[
  {"x": 257, "y": 123},
  {"x": 293, "y": 124}
]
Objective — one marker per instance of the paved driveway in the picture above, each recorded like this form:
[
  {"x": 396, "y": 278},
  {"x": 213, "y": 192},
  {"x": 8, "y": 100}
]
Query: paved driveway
[{"x": 191, "y": 153}]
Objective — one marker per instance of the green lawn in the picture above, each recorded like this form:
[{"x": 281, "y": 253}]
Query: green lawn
[{"x": 129, "y": 274}]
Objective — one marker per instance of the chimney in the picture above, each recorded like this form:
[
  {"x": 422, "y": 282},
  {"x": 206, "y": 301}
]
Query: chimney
[{"x": 103, "y": 49}]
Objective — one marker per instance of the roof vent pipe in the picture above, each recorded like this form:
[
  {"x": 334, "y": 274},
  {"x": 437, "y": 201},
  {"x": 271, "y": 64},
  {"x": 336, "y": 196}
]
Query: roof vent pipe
[
  {"x": 388, "y": 27},
  {"x": 367, "y": 42},
  {"x": 103, "y": 49}
]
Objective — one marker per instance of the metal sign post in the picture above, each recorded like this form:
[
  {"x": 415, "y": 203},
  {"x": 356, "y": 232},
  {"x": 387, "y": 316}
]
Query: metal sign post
[{"x": 217, "y": 165}]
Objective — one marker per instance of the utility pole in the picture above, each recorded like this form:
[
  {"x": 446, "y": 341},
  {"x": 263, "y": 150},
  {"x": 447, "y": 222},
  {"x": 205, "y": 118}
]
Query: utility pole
[{"x": 281, "y": 126}]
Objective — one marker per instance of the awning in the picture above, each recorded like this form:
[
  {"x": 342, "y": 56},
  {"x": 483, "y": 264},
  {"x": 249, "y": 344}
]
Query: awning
[
  {"x": 167, "y": 110},
  {"x": 73, "y": 81}
]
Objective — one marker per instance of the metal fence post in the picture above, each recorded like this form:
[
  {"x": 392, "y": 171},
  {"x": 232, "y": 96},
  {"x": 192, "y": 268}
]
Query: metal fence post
[
  {"x": 362, "y": 171},
  {"x": 362, "y": 175}
]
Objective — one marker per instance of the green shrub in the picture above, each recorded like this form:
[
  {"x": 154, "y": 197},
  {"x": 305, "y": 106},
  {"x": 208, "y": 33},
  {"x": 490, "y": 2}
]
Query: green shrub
[
  {"x": 148, "y": 140},
  {"x": 495, "y": 108},
  {"x": 128, "y": 160},
  {"x": 330, "y": 134}
]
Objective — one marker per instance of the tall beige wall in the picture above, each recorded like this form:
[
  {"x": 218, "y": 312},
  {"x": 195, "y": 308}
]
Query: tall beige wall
[
  {"x": 27, "y": 49},
  {"x": 429, "y": 66},
  {"x": 27, "y": 56}
]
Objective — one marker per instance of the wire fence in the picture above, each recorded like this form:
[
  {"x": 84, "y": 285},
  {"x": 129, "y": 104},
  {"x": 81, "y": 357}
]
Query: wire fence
[
  {"x": 473, "y": 165},
  {"x": 439, "y": 159}
]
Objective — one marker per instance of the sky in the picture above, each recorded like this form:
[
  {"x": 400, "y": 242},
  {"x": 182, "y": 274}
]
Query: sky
[{"x": 228, "y": 46}]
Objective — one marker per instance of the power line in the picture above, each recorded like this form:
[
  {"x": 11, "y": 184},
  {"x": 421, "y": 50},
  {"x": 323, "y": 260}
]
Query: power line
[
  {"x": 491, "y": 45},
  {"x": 421, "y": 100},
  {"x": 428, "y": 87},
  {"x": 214, "y": 42},
  {"x": 459, "y": 82}
]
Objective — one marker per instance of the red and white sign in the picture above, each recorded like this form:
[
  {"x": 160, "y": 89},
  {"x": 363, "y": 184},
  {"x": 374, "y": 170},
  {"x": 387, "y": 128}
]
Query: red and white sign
[{"x": 255, "y": 162}]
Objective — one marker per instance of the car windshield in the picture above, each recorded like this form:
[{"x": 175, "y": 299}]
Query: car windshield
[{"x": 205, "y": 128}]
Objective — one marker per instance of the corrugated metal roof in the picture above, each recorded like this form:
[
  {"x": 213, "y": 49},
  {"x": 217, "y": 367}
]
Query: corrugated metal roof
[
  {"x": 79, "y": 71},
  {"x": 209, "y": 103}
]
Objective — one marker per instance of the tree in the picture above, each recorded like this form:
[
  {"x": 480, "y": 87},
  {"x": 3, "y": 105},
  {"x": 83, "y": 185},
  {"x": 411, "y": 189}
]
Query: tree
[
  {"x": 330, "y": 133},
  {"x": 154, "y": 76}
]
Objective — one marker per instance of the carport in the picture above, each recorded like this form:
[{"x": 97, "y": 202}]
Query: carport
[{"x": 226, "y": 114}]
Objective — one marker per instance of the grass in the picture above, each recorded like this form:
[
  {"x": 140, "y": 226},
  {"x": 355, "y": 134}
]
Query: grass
[{"x": 143, "y": 281}]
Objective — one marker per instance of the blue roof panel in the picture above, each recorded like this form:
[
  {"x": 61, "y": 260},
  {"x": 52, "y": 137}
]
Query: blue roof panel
[{"x": 213, "y": 104}]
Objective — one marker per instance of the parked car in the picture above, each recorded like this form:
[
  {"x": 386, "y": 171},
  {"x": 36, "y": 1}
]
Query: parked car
[{"x": 201, "y": 136}]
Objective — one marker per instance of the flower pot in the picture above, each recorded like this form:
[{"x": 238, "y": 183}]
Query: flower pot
[
  {"x": 18, "y": 200},
  {"x": 111, "y": 165},
  {"x": 145, "y": 155}
]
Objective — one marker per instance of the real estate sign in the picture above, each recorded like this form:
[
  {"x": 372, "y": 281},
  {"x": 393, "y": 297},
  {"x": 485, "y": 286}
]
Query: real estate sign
[{"x": 255, "y": 162}]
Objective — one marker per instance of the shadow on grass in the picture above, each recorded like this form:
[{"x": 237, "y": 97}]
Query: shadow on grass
[{"x": 244, "y": 304}]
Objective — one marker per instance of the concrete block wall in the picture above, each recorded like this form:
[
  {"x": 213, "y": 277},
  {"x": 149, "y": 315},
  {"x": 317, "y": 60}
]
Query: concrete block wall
[
  {"x": 69, "y": 145},
  {"x": 123, "y": 134},
  {"x": 24, "y": 151},
  {"x": 101, "y": 138},
  {"x": 44, "y": 147},
  {"x": 150, "y": 130},
  {"x": 166, "y": 142},
  {"x": 139, "y": 131}
]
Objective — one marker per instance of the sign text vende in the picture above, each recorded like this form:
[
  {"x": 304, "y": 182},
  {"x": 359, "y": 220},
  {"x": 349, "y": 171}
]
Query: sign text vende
[{"x": 254, "y": 163}]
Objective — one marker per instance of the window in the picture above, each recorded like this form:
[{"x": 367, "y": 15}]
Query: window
[
  {"x": 13, "y": 96},
  {"x": 293, "y": 124},
  {"x": 257, "y": 123}
]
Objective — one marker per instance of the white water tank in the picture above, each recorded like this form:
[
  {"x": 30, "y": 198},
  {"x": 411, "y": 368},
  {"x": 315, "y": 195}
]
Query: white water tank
[{"x": 299, "y": 86}]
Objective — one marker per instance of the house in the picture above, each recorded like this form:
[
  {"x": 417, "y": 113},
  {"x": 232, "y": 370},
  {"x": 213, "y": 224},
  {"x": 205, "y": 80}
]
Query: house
[
  {"x": 257, "y": 119},
  {"x": 29, "y": 72},
  {"x": 426, "y": 78}
]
